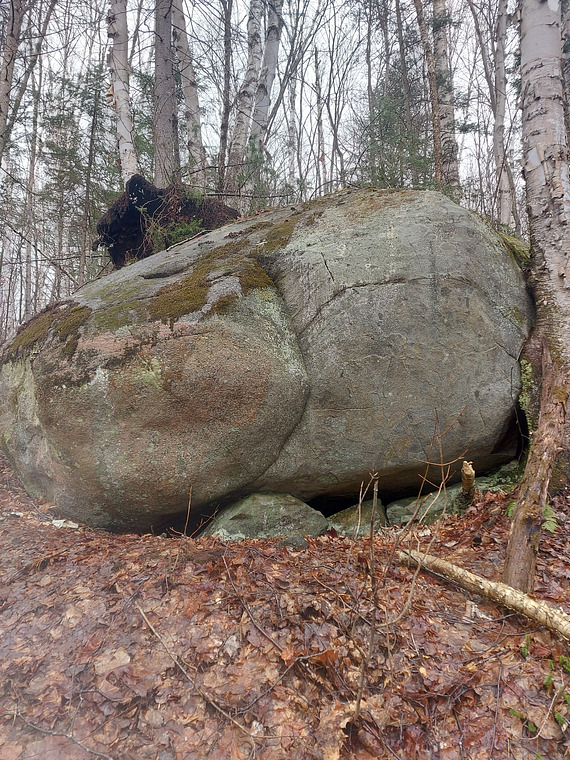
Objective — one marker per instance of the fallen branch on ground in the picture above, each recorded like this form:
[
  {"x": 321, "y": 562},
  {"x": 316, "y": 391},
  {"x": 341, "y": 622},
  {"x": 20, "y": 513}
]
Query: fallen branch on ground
[{"x": 541, "y": 612}]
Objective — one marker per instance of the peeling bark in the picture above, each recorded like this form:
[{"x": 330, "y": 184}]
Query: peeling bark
[
  {"x": 445, "y": 95},
  {"x": 545, "y": 152},
  {"x": 245, "y": 98},
  {"x": 17, "y": 10},
  {"x": 432, "y": 81},
  {"x": 165, "y": 137},
  {"x": 541, "y": 612}
]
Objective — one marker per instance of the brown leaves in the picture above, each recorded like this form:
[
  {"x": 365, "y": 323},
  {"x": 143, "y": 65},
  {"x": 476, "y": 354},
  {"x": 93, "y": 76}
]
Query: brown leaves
[{"x": 143, "y": 647}]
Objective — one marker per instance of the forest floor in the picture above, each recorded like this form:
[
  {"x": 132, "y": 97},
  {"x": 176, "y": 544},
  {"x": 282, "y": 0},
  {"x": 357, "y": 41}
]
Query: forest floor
[{"x": 142, "y": 647}]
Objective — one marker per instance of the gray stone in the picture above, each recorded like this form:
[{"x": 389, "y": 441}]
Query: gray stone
[
  {"x": 432, "y": 507},
  {"x": 354, "y": 522},
  {"x": 295, "y": 352},
  {"x": 266, "y": 515}
]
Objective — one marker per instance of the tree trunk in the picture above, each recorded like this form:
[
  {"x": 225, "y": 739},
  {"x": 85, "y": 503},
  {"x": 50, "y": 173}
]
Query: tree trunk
[
  {"x": 227, "y": 6},
  {"x": 245, "y": 99},
  {"x": 445, "y": 95},
  {"x": 545, "y": 153},
  {"x": 196, "y": 152},
  {"x": 406, "y": 90},
  {"x": 119, "y": 69},
  {"x": 321, "y": 163},
  {"x": 505, "y": 185},
  {"x": 434, "y": 99},
  {"x": 165, "y": 122},
  {"x": 16, "y": 12},
  {"x": 267, "y": 75}
]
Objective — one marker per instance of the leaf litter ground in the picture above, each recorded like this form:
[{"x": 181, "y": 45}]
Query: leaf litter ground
[{"x": 133, "y": 647}]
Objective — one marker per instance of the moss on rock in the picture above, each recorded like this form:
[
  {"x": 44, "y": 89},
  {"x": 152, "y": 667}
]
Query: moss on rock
[
  {"x": 114, "y": 317},
  {"x": 190, "y": 294},
  {"x": 61, "y": 323},
  {"x": 517, "y": 248}
]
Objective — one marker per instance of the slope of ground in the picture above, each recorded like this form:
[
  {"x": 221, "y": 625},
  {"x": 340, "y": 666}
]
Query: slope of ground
[{"x": 141, "y": 647}]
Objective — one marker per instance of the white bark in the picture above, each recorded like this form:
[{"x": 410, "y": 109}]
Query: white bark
[
  {"x": 119, "y": 69},
  {"x": 321, "y": 164},
  {"x": 17, "y": 10},
  {"x": 196, "y": 152},
  {"x": 268, "y": 68},
  {"x": 445, "y": 94},
  {"x": 246, "y": 97},
  {"x": 292, "y": 136},
  {"x": 545, "y": 151},
  {"x": 545, "y": 157}
]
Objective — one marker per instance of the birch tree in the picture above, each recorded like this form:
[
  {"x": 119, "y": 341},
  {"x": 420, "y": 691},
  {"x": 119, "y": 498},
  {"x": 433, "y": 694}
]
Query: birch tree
[
  {"x": 492, "y": 45},
  {"x": 11, "y": 43},
  {"x": 118, "y": 61},
  {"x": 260, "y": 119},
  {"x": 433, "y": 92},
  {"x": 246, "y": 97},
  {"x": 189, "y": 85},
  {"x": 545, "y": 161}
]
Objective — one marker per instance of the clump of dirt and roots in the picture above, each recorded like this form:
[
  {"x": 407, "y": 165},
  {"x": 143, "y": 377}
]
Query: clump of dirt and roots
[{"x": 146, "y": 219}]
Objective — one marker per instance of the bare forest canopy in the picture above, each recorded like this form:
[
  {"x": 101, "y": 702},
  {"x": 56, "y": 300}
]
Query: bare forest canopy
[{"x": 250, "y": 102}]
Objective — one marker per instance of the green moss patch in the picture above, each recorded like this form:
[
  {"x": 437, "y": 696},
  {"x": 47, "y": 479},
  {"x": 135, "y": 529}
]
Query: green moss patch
[
  {"x": 190, "y": 293},
  {"x": 62, "y": 324},
  {"x": 280, "y": 235},
  {"x": 518, "y": 249},
  {"x": 119, "y": 315}
]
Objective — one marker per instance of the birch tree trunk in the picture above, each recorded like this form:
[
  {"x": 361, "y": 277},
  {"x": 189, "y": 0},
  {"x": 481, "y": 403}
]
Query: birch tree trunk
[
  {"x": 227, "y": 7},
  {"x": 406, "y": 91},
  {"x": 545, "y": 154},
  {"x": 321, "y": 163},
  {"x": 245, "y": 98},
  {"x": 16, "y": 11},
  {"x": 196, "y": 152},
  {"x": 260, "y": 119},
  {"x": 118, "y": 62},
  {"x": 165, "y": 122},
  {"x": 445, "y": 95}
]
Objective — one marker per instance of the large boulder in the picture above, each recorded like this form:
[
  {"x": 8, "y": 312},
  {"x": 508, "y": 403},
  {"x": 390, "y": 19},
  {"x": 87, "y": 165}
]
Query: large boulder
[{"x": 295, "y": 352}]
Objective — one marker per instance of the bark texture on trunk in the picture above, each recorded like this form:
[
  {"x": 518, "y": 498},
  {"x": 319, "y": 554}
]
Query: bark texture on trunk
[
  {"x": 267, "y": 75},
  {"x": 118, "y": 61},
  {"x": 524, "y": 537},
  {"x": 165, "y": 138},
  {"x": 433, "y": 95},
  {"x": 445, "y": 95},
  {"x": 16, "y": 12},
  {"x": 245, "y": 98},
  {"x": 545, "y": 152},
  {"x": 189, "y": 85},
  {"x": 505, "y": 183}
]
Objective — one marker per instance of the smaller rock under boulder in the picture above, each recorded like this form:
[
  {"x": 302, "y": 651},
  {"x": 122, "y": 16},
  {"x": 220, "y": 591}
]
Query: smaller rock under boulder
[
  {"x": 431, "y": 509},
  {"x": 355, "y": 523},
  {"x": 266, "y": 515}
]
